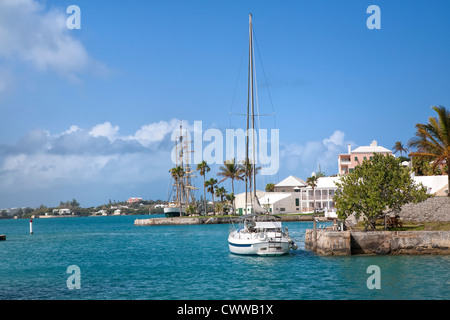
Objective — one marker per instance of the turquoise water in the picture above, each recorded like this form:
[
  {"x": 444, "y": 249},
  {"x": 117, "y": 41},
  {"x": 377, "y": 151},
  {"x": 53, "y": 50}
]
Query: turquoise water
[{"x": 118, "y": 260}]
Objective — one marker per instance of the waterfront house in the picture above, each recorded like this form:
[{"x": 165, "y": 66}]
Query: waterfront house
[
  {"x": 61, "y": 211},
  {"x": 134, "y": 199},
  {"x": 290, "y": 184},
  {"x": 322, "y": 195},
  {"x": 348, "y": 161},
  {"x": 292, "y": 195}
]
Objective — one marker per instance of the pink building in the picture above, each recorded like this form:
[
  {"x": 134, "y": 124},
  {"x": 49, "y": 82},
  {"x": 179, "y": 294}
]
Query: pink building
[
  {"x": 135, "y": 199},
  {"x": 348, "y": 161}
]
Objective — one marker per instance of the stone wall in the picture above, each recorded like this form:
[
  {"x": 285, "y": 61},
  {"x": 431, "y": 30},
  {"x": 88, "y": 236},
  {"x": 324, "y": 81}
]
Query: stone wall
[
  {"x": 435, "y": 209},
  {"x": 377, "y": 242},
  {"x": 328, "y": 243}
]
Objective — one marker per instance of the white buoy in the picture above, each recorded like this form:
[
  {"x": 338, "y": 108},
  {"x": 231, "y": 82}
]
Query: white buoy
[{"x": 31, "y": 226}]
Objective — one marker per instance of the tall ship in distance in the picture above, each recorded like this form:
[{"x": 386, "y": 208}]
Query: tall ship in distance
[{"x": 181, "y": 191}]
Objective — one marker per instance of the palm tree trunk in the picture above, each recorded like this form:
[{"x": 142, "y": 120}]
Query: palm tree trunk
[
  {"x": 232, "y": 190},
  {"x": 448, "y": 176},
  {"x": 204, "y": 195}
]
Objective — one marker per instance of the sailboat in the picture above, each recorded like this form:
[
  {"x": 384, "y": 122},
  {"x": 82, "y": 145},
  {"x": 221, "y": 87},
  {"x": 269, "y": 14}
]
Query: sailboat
[
  {"x": 182, "y": 191},
  {"x": 259, "y": 233}
]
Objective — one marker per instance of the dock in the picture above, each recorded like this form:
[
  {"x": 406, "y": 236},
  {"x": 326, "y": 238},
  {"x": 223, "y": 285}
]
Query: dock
[
  {"x": 329, "y": 242},
  {"x": 214, "y": 220},
  {"x": 2, "y": 237}
]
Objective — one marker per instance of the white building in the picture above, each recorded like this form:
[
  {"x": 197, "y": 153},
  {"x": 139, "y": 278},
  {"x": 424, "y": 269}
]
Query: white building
[
  {"x": 437, "y": 185},
  {"x": 290, "y": 184},
  {"x": 292, "y": 195}
]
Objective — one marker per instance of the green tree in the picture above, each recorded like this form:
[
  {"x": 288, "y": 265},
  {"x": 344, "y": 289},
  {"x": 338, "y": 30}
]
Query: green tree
[
  {"x": 374, "y": 187},
  {"x": 177, "y": 175},
  {"x": 246, "y": 171},
  {"x": 211, "y": 185},
  {"x": 230, "y": 170},
  {"x": 74, "y": 203},
  {"x": 432, "y": 140},
  {"x": 203, "y": 168},
  {"x": 270, "y": 187},
  {"x": 190, "y": 210},
  {"x": 221, "y": 193},
  {"x": 231, "y": 197}
]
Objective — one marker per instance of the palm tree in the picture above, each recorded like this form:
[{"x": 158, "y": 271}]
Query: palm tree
[
  {"x": 398, "y": 147},
  {"x": 211, "y": 184},
  {"x": 203, "y": 168},
  {"x": 230, "y": 197},
  {"x": 230, "y": 170},
  {"x": 221, "y": 193},
  {"x": 312, "y": 182},
  {"x": 433, "y": 139},
  {"x": 177, "y": 175},
  {"x": 246, "y": 169}
]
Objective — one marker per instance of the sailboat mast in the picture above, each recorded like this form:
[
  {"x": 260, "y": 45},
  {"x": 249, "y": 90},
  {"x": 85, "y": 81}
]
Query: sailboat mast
[
  {"x": 249, "y": 80},
  {"x": 253, "y": 111}
]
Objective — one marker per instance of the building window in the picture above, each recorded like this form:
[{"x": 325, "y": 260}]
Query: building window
[
  {"x": 356, "y": 158},
  {"x": 318, "y": 195},
  {"x": 297, "y": 202},
  {"x": 282, "y": 209},
  {"x": 304, "y": 195}
]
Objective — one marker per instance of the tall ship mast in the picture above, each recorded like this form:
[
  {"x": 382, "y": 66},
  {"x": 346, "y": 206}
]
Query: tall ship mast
[{"x": 182, "y": 193}]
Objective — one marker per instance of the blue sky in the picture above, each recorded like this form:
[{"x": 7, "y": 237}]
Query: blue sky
[{"x": 88, "y": 113}]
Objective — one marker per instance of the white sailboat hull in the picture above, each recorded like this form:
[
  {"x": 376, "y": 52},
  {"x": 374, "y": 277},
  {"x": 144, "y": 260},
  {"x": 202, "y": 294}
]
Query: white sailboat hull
[{"x": 258, "y": 244}]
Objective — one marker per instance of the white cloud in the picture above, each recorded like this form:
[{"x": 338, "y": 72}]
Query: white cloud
[
  {"x": 30, "y": 34},
  {"x": 305, "y": 159},
  {"x": 79, "y": 159},
  {"x": 106, "y": 130},
  {"x": 155, "y": 132}
]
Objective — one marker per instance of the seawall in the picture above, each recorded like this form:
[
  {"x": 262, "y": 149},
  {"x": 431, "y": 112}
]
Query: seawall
[
  {"x": 328, "y": 242},
  {"x": 433, "y": 209},
  {"x": 213, "y": 220}
]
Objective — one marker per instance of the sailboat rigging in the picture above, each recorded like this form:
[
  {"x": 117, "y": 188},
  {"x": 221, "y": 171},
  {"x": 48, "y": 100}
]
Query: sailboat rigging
[{"x": 260, "y": 234}]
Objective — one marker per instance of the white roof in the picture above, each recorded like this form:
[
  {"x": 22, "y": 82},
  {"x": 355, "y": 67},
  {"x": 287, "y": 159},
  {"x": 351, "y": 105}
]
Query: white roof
[
  {"x": 373, "y": 148},
  {"x": 369, "y": 149},
  {"x": 432, "y": 183},
  {"x": 291, "y": 181}
]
